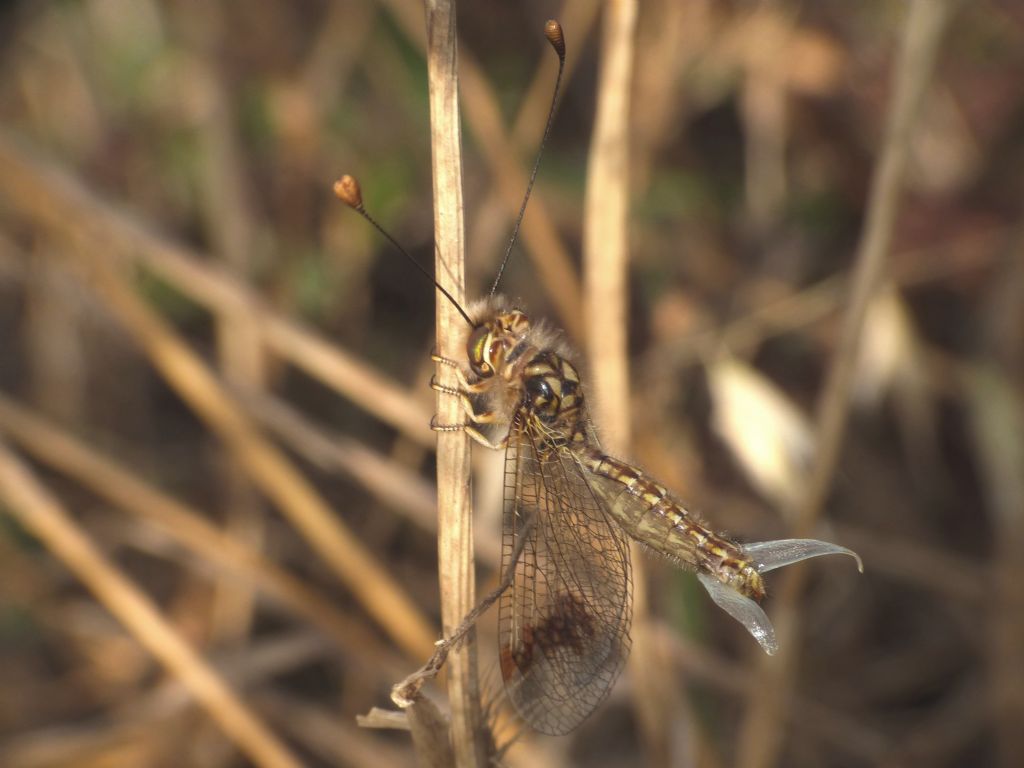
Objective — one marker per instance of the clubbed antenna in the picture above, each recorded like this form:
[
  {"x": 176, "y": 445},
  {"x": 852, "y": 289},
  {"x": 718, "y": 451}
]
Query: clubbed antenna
[
  {"x": 553, "y": 32},
  {"x": 347, "y": 190}
]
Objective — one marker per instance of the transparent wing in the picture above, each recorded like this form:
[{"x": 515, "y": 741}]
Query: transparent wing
[{"x": 564, "y": 622}]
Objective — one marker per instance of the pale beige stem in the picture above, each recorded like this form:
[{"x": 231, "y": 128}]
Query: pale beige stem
[
  {"x": 550, "y": 256},
  {"x": 455, "y": 514}
]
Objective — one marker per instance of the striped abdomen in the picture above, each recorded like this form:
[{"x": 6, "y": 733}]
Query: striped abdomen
[{"x": 649, "y": 513}]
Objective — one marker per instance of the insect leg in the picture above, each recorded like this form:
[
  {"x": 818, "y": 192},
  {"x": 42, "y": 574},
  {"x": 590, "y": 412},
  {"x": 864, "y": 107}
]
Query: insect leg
[
  {"x": 482, "y": 439},
  {"x": 436, "y": 357},
  {"x": 475, "y": 387},
  {"x": 405, "y": 692},
  {"x": 467, "y": 404},
  {"x": 472, "y": 432},
  {"x": 477, "y": 417}
]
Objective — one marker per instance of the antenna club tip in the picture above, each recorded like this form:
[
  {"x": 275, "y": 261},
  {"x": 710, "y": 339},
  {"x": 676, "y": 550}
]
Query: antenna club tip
[
  {"x": 347, "y": 190},
  {"x": 553, "y": 32}
]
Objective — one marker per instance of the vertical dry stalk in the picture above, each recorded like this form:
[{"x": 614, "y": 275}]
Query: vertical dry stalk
[
  {"x": 545, "y": 248},
  {"x": 605, "y": 255},
  {"x": 605, "y": 231},
  {"x": 455, "y": 519},
  {"x": 761, "y": 735}
]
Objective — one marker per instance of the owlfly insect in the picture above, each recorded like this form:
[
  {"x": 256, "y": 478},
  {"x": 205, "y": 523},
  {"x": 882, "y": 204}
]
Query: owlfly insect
[{"x": 569, "y": 511}]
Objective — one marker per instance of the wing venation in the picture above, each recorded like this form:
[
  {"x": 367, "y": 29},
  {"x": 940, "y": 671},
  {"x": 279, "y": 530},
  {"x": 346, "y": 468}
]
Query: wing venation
[{"x": 564, "y": 622}]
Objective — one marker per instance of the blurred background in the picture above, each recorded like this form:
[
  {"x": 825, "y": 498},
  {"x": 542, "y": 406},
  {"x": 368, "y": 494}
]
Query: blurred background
[{"x": 213, "y": 380}]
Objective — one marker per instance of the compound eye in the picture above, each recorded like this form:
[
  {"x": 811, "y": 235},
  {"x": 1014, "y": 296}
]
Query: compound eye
[
  {"x": 476, "y": 349},
  {"x": 539, "y": 390}
]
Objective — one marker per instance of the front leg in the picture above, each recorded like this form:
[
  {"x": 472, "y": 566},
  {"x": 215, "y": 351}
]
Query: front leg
[
  {"x": 470, "y": 431},
  {"x": 475, "y": 416},
  {"x": 467, "y": 386}
]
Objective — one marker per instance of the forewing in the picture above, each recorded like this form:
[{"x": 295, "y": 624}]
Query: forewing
[{"x": 564, "y": 622}]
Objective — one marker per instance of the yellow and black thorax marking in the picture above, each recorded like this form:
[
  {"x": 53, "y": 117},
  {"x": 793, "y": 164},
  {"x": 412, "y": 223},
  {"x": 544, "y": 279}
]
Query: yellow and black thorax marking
[{"x": 551, "y": 392}]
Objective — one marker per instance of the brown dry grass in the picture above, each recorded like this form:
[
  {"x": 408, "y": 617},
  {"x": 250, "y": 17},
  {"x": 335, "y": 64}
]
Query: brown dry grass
[{"x": 218, "y": 540}]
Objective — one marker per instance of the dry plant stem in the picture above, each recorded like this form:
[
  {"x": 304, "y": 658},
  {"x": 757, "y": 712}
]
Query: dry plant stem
[
  {"x": 761, "y": 733},
  {"x": 40, "y": 513},
  {"x": 58, "y": 202},
  {"x": 384, "y": 719},
  {"x": 182, "y": 524},
  {"x": 268, "y": 468},
  {"x": 550, "y": 257},
  {"x": 674, "y": 35},
  {"x": 605, "y": 226},
  {"x": 605, "y": 258},
  {"x": 455, "y": 517},
  {"x": 430, "y": 734}
]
